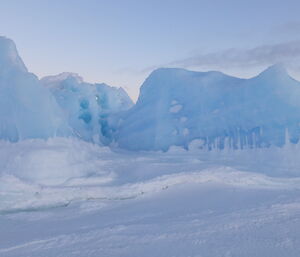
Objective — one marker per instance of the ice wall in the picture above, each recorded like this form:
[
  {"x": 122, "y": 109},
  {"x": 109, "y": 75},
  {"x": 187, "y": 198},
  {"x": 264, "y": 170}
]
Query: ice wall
[
  {"x": 88, "y": 107},
  {"x": 62, "y": 105},
  {"x": 176, "y": 106},
  {"x": 27, "y": 110}
]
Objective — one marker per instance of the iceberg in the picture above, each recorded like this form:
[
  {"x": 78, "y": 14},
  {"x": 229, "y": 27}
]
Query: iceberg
[
  {"x": 88, "y": 107},
  {"x": 177, "y": 106},
  {"x": 62, "y": 105},
  {"x": 27, "y": 109}
]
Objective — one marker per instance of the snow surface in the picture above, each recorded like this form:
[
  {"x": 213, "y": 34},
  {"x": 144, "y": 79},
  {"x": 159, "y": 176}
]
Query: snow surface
[
  {"x": 94, "y": 201},
  {"x": 220, "y": 109}
]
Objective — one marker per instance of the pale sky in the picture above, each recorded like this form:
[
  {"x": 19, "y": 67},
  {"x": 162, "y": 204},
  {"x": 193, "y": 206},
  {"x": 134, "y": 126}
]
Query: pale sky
[{"x": 121, "y": 42}]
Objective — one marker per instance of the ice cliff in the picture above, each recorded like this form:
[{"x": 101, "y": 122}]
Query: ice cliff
[{"x": 176, "y": 106}]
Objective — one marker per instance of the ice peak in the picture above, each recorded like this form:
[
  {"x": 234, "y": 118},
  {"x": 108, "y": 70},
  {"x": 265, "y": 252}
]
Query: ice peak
[
  {"x": 160, "y": 72},
  {"x": 9, "y": 57},
  {"x": 275, "y": 70},
  {"x": 53, "y": 79}
]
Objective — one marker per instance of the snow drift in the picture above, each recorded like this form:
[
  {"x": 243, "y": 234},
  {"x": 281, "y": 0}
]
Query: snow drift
[{"x": 40, "y": 174}]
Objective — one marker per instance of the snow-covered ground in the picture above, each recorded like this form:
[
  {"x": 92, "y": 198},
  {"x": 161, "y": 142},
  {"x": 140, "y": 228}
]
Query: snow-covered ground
[{"x": 65, "y": 197}]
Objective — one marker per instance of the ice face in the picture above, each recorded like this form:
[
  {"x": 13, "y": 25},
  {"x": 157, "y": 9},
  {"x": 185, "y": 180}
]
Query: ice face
[
  {"x": 88, "y": 107},
  {"x": 220, "y": 110},
  {"x": 9, "y": 58},
  {"x": 61, "y": 105},
  {"x": 27, "y": 110},
  {"x": 175, "y": 106}
]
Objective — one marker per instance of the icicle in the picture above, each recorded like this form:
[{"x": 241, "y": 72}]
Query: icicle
[
  {"x": 287, "y": 137},
  {"x": 253, "y": 140},
  {"x": 228, "y": 144},
  {"x": 239, "y": 144}
]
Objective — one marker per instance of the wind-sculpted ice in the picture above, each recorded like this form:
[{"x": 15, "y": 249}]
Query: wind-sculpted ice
[
  {"x": 176, "y": 106},
  {"x": 61, "y": 105},
  {"x": 27, "y": 110},
  {"x": 88, "y": 107}
]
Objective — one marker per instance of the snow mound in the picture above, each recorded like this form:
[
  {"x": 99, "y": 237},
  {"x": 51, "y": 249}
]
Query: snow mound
[
  {"x": 54, "y": 161},
  {"x": 221, "y": 110},
  {"x": 37, "y": 174}
]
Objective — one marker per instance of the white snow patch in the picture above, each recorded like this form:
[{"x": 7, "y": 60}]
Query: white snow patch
[
  {"x": 196, "y": 144},
  {"x": 42, "y": 174},
  {"x": 53, "y": 161},
  {"x": 175, "y": 108},
  {"x": 131, "y": 204}
]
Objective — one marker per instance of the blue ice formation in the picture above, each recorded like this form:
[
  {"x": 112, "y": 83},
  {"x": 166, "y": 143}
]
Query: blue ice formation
[
  {"x": 88, "y": 107},
  {"x": 27, "y": 110},
  {"x": 61, "y": 105},
  {"x": 176, "y": 106}
]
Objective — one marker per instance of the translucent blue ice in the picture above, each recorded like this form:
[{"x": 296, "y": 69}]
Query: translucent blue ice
[
  {"x": 27, "y": 110},
  {"x": 176, "y": 106},
  {"x": 61, "y": 105},
  {"x": 88, "y": 107}
]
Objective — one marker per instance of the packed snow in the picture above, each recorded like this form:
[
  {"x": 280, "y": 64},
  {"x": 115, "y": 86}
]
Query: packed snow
[{"x": 67, "y": 197}]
